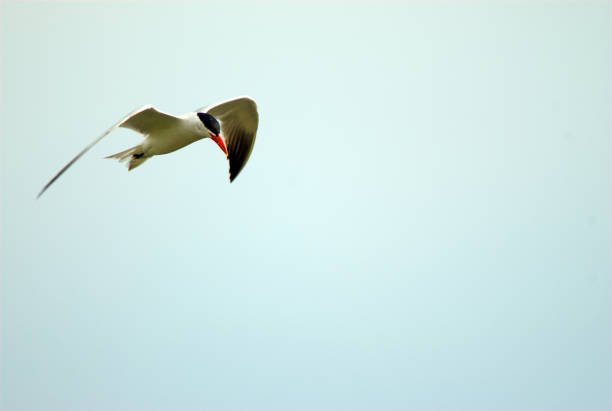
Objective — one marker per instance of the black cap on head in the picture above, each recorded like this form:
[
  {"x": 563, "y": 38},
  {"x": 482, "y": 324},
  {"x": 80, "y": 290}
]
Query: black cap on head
[{"x": 210, "y": 122}]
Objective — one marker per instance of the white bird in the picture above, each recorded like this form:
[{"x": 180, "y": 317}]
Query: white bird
[{"x": 232, "y": 124}]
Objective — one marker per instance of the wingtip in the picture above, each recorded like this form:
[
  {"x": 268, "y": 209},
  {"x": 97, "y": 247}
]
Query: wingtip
[{"x": 42, "y": 191}]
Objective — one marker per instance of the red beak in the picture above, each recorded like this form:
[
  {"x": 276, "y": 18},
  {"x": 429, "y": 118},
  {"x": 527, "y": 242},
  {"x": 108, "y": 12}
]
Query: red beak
[{"x": 217, "y": 139}]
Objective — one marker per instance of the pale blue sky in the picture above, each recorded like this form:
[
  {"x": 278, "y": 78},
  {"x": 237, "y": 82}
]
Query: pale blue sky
[{"x": 424, "y": 223}]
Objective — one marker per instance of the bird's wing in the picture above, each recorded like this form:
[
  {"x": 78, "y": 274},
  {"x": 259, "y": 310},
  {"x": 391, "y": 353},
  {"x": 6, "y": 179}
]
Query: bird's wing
[
  {"x": 142, "y": 120},
  {"x": 148, "y": 119},
  {"x": 239, "y": 120}
]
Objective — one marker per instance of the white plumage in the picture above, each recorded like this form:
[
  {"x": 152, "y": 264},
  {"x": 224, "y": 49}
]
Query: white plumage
[{"x": 232, "y": 124}]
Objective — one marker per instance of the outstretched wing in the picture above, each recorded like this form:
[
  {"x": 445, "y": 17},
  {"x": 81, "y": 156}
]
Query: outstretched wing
[
  {"x": 239, "y": 120},
  {"x": 142, "y": 120},
  {"x": 149, "y": 119}
]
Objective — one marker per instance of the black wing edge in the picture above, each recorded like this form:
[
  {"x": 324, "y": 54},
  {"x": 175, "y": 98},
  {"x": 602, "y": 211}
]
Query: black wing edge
[{"x": 239, "y": 152}]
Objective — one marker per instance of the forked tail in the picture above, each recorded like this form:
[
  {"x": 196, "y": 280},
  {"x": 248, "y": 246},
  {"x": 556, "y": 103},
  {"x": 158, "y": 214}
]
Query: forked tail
[{"x": 134, "y": 154}]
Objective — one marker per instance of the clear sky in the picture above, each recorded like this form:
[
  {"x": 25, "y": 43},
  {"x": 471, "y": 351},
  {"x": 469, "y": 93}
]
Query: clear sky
[{"x": 424, "y": 223}]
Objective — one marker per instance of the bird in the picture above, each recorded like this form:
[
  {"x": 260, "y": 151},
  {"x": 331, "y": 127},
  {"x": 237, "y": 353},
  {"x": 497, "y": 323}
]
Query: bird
[{"x": 232, "y": 124}]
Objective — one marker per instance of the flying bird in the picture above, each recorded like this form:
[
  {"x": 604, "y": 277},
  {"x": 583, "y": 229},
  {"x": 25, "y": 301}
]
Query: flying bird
[{"x": 232, "y": 124}]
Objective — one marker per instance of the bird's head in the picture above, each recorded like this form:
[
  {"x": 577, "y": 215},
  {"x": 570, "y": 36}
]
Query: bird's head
[{"x": 214, "y": 129}]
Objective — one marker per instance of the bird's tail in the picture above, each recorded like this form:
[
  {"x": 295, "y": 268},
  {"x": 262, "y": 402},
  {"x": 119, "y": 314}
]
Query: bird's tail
[{"x": 134, "y": 154}]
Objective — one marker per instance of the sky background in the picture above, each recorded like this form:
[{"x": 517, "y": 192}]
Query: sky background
[{"x": 424, "y": 223}]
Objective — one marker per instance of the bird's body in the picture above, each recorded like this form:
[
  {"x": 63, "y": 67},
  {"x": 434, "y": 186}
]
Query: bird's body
[
  {"x": 231, "y": 124},
  {"x": 182, "y": 131},
  {"x": 188, "y": 129}
]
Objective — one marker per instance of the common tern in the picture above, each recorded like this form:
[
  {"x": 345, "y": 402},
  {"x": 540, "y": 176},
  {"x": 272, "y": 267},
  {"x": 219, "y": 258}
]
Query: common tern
[{"x": 232, "y": 124}]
